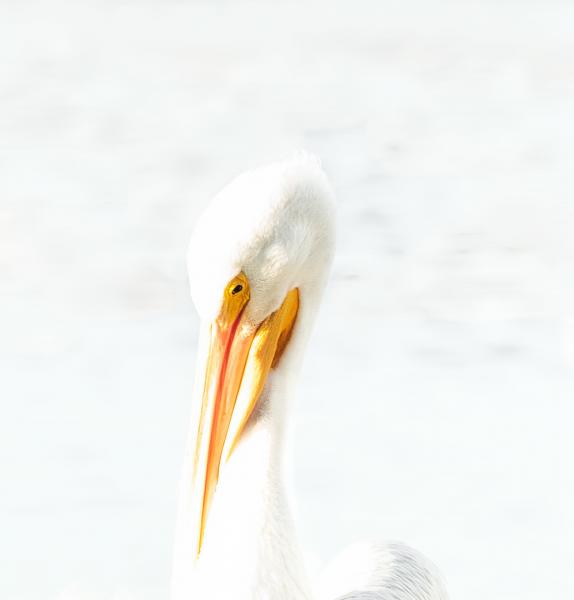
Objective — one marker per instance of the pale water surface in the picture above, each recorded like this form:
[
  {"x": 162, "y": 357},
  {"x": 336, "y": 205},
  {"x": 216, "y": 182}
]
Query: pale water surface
[{"x": 437, "y": 404}]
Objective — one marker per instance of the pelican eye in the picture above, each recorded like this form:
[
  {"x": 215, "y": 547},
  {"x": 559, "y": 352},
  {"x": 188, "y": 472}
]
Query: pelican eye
[{"x": 238, "y": 288}]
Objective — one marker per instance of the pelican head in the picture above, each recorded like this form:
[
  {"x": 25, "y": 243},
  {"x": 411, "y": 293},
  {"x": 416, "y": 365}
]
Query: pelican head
[{"x": 258, "y": 261}]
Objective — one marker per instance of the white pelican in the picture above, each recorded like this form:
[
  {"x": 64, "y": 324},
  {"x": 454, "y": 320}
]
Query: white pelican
[{"x": 258, "y": 262}]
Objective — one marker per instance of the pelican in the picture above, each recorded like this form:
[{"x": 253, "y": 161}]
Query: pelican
[{"x": 258, "y": 262}]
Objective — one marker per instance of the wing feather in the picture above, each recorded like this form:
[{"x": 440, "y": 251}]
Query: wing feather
[{"x": 381, "y": 571}]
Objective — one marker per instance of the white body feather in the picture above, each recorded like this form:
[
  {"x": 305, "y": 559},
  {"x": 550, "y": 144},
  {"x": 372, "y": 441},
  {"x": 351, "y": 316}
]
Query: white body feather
[{"x": 380, "y": 571}]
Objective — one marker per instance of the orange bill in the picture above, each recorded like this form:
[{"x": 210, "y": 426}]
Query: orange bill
[{"x": 235, "y": 369}]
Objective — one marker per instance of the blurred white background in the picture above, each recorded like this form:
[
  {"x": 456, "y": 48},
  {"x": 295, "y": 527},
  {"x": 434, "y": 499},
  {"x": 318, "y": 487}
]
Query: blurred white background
[{"x": 436, "y": 405}]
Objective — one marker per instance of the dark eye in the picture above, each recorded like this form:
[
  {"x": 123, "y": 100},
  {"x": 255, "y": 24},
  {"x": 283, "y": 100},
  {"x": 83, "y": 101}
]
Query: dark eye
[{"x": 237, "y": 289}]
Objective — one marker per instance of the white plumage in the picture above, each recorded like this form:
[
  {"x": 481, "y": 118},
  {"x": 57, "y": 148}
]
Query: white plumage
[
  {"x": 380, "y": 571},
  {"x": 275, "y": 227}
]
